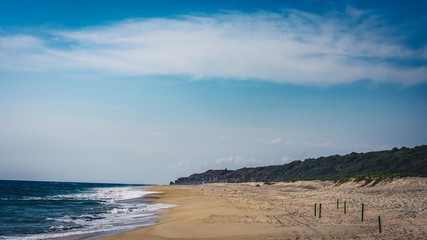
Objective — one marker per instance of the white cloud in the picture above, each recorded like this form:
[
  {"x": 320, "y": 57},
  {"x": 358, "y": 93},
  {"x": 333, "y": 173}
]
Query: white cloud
[
  {"x": 234, "y": 160},
  {"x": 20, "y": 42},
  {"x": 294, "y": 47},
  {"x": 313, "y": 144},
  {"x": 276, "y": 140},
  {"x": 183, "y": 162}
]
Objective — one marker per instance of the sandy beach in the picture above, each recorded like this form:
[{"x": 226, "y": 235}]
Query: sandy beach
[{"x": 286, "y": 211}]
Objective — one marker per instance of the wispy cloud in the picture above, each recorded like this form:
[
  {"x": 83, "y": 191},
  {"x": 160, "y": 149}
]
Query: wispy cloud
[
  {"x": 293, "y": 47},
  {"x": 323, "y": 144},
  {"x": 276, "y": 140},
  {"x": 234, "y": 160}
]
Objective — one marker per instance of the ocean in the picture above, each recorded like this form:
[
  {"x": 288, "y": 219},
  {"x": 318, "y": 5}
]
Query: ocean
[{"x": 43, "y": 210}]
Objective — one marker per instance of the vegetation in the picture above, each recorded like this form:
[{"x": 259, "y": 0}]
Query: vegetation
[{"x": 370, "y": 167}]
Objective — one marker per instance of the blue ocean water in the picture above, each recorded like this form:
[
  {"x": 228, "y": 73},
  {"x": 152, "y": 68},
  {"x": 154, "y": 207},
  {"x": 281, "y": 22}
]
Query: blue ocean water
[{"x": 42, "y": 210}]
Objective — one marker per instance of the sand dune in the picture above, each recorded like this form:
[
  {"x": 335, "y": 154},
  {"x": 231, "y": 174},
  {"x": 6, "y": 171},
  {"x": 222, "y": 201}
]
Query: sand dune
[{"x": 286, "y": 211}]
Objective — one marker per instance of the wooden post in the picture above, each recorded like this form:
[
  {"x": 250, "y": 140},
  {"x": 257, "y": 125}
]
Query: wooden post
[
  {"x": 379, "y": 224},
  {"x": 338, "y": 203},
  {"x": 363, "y": 210},
  {"x": 345, "y": 207},
  {"x": 320, "y": 210},
  {"x": 315, "y": 209}
]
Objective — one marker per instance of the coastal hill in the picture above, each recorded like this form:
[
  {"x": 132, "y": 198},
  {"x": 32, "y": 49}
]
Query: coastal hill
[{"x": 395, "y": 162}]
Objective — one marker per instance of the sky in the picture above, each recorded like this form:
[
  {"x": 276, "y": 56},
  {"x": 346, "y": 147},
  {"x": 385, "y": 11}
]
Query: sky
[{"x": 149, "y": 91}]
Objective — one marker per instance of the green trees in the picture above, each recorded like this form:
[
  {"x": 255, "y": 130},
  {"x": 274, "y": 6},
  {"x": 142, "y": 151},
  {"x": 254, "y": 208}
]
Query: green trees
[{"x": 395, "y": 162}]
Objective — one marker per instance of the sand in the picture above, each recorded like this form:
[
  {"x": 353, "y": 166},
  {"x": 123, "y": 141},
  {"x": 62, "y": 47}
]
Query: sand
[{"x": 286, "y": 211}]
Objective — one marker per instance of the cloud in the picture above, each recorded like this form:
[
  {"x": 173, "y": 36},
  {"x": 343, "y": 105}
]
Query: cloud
[
  {"x": 294, "y": 47},
  {"x": 183, "y": 162},
  {"x": 234, "y": 160},
  {"x": 312, "y": 144},
  {"x": 276, "y": 140}
]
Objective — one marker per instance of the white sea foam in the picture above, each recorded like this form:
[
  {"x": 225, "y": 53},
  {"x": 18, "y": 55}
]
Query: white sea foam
[
  {"x": 127, "y": 213},
  {"x": 112, "y": 194}
]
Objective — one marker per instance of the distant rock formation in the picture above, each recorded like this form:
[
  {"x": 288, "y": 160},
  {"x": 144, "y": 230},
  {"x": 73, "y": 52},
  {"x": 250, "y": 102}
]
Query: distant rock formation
[{"x": 401, "y": 162}]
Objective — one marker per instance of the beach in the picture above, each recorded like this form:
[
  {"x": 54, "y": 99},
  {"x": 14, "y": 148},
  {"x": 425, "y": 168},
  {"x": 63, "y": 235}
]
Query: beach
[{"x": 286, "y": 211}]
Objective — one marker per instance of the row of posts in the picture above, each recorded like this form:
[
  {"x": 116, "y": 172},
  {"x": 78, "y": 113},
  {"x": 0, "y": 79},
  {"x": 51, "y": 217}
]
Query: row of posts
[{"x": 345, "y": 212}]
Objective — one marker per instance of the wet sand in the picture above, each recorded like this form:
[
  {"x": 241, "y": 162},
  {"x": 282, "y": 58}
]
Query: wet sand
[{"x": 286, "y": 211}]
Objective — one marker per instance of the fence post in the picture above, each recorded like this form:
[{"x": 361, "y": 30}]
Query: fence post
[
  {"x": 363, "y": 210},
  {"x": 379, "y": 224},
  {"x": 320, "y": 210},
  {"x": 315, "y": 209},
  {"x": 345, "y": 207},
  {"x": 338, "y": 203}
]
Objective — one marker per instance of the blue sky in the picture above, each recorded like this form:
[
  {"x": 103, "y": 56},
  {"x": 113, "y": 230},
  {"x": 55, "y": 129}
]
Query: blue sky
[{"x": 148, "y": 91}]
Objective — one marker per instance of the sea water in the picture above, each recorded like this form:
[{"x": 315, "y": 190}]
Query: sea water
[{"x": 42, "y": 210}]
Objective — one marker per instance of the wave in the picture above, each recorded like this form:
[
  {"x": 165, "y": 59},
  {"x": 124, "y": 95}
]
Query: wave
[
  {"x": 110, "y": 195},
  {"x": 118, "y": 209}
]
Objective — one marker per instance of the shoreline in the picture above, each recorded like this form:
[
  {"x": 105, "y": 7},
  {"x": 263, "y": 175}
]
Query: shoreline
[
  {"x": 147, "y": 199},
  {"x": 285, "y": 211}
]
